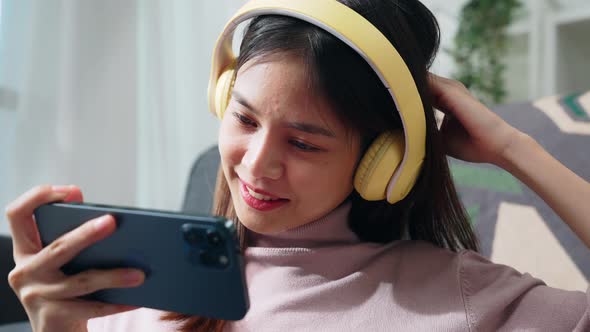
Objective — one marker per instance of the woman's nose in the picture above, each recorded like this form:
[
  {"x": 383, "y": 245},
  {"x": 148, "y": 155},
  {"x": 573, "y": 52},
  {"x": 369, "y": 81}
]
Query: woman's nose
[{"x": 263, "y": 158}]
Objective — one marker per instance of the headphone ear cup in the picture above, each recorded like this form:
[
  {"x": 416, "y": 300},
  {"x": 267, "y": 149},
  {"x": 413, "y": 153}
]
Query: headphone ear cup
[
  {"x": 378, "y": 165},
  {"x": 225, "y": 83}
]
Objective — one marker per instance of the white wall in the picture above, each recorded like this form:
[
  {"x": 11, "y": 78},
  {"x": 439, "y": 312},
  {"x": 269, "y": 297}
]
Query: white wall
[
  {"x": 72, "y": 66},
  {"x": 573, "y": 57},
  {"x": 110, "y": 95},
  {"x": 446, "y": 12},
  {"x": 548, "y": 50},
  {"x": 517, "y": 74},
  {"x": 176, "y": 39}
]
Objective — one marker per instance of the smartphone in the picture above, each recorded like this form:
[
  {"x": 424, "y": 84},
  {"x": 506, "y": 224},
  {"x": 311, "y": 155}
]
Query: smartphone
[{"x": 192, "y": 263}]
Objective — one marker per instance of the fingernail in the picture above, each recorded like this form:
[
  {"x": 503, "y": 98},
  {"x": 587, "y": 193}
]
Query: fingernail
[
  {"x": 61, "y": 189},
  {"x": 102, "y": 222},
  {"x": 133, "y": 277}
]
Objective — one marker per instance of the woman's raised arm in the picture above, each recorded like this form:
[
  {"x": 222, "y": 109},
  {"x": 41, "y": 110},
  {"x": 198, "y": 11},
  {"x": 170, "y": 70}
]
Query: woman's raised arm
[{"x": 474, "y": 133}]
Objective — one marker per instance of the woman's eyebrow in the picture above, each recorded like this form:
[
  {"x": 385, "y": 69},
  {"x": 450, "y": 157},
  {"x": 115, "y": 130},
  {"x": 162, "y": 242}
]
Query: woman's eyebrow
[
  {"x": 301, "y": 126},
  {"x": 240, "y": 99},
  {"x": 311, "y": 129}
]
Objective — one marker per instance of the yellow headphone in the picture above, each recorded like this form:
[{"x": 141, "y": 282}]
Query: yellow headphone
[{"x": 391, "y": 165}]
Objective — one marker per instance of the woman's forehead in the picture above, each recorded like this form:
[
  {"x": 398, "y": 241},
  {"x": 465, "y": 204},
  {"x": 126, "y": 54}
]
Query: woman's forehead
[{"x": 280, "y": 86}]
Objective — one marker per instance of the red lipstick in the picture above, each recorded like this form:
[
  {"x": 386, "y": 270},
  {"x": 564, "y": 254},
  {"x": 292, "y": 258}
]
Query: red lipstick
[{"x": 260, "y": 204}]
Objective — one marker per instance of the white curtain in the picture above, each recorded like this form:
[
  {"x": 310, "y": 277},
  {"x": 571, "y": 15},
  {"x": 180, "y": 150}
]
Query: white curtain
[
  {"x": 176, "y": 39},
  {"x": 109, "y": 95}
]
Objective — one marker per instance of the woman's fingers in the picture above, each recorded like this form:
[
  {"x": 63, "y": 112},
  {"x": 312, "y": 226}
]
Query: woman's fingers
[
  {"x": 438, "y": 88},
  {"x": 75, "y": 194},
  {"x": 439, "y": 84},
  {"x": 471, "y": 131},
  {"x": 49, "y": 296},
  {"x": 33, "y": 289},
  {"x": 452, "y": 97},
  {"x": 69, "y": 245},
  {"x": 83, "y": 309},
  {"x": 51, "y": 299},
  {"x": 72, "y": 315},
  {"x": 24, "y": 231},
  {"x": 90, "y": 281}
]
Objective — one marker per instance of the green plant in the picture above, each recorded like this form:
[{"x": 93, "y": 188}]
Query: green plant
[{"x": 480, "y": 44}]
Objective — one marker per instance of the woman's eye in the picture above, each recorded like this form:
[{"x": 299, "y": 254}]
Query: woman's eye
[
  {"x": 303, "y": 147},
  {"x": 244, "y": 120}
]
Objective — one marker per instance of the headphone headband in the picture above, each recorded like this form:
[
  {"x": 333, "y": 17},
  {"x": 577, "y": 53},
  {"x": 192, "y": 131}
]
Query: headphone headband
[{"x": 354, "y": 30}]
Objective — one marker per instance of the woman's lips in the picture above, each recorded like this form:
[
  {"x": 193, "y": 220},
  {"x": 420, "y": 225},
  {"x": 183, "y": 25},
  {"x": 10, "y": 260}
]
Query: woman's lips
[
  {"x": 260, "y": 204},
  {"x": 256, "y": 190}
]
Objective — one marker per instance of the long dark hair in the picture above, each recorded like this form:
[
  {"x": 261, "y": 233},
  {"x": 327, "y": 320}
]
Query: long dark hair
[{"x": 432, "y": 211}]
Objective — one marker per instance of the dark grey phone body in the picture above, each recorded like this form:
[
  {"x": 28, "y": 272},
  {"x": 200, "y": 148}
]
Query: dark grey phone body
[{"x": 192, "y": 263}]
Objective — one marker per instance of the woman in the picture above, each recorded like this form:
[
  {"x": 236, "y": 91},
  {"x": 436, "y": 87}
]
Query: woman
[{"x": 304, "y": 109}]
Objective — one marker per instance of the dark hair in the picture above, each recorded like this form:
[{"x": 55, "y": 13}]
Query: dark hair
[{"x": 432, "y": 211}]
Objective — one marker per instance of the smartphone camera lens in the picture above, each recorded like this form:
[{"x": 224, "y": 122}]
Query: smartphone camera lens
[
  {"x": 208, "y": 258},
  {"x": 213, "y": 259},
  {"x": 192, "y": 235},
  {"x": 214, "y": 238}
]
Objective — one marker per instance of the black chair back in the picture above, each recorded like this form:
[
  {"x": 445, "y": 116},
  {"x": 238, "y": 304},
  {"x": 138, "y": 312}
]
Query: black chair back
[
  {"x": 12, "y": 311},
  {"x": 200, "y": 187}
]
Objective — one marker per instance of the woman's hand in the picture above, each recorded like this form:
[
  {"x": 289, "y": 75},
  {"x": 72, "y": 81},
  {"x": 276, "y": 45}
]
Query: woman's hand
[
  {"x": 473, "y": 133},
  {"x": 48, "y": 295},
  {"x": 470, "y": 131}
]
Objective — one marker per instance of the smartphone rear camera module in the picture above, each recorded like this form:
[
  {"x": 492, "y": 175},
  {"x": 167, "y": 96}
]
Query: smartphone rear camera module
[{"x": 194, "y": 236}]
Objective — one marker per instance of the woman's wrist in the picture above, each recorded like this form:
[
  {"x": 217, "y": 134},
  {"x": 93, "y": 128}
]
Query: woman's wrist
[
  {"x": 564, "y": 191},
  {"x": 512, "y": 157}
]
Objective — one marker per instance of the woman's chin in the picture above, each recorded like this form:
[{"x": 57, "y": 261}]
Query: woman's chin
[
  {"x": 261, "y": 222},
  {"x": 261, "y": 226}
]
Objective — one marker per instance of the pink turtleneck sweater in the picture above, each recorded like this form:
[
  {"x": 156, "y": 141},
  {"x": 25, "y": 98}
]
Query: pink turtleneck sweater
[{"x": 320, "y": 277}]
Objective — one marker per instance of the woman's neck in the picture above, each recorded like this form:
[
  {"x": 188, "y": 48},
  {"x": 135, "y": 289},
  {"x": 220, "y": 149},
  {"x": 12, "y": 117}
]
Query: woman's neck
[{"x": 331, "y": 229}]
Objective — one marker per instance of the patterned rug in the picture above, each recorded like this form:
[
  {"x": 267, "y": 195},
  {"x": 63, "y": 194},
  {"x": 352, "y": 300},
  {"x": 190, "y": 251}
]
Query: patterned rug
[{"x": 515, "y": 226}]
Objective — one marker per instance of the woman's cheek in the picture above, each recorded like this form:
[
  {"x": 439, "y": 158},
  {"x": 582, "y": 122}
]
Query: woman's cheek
[
  {"x": 232, "y": 147},
  {"x": 226, "y": 141}
]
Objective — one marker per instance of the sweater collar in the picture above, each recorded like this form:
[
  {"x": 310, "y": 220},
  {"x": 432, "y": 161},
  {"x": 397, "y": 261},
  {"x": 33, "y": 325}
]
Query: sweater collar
[{"x": 330, "y": 230}]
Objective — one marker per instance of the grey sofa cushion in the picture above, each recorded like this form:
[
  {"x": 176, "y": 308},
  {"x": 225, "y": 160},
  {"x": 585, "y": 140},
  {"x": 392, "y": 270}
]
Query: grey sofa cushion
[{"x": 198, "y": 197}]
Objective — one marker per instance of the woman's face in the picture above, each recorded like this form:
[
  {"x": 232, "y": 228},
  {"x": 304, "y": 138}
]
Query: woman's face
[{"x": 286, "y": 157}]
